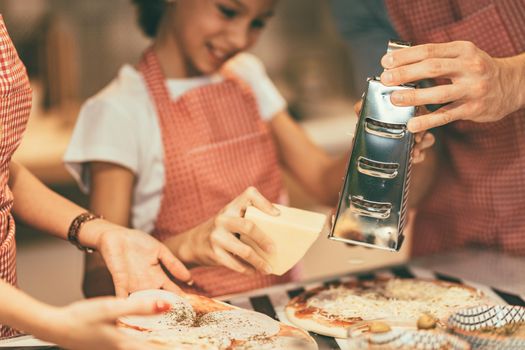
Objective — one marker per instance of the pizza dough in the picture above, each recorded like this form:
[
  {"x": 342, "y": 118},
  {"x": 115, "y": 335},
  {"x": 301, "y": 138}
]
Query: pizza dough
[
  {"x": 180, "y": 314},
  {"x": 398, "y": 302},
  {"x": 197, "y": 322},
  {"x": 240, "y": 324}
]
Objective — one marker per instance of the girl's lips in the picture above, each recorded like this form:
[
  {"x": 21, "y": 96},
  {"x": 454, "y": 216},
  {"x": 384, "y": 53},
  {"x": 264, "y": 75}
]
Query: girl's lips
[{"x": 217, "y": 55}]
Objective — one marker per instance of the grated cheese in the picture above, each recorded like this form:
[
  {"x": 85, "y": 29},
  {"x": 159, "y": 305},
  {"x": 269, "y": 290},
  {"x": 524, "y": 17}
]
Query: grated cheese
[{"x": 396, "y": 300}]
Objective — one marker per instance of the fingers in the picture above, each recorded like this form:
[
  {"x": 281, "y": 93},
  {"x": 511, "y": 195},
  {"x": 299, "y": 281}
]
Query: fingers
[
  {"x": 173, "y": 265},
  {"x": 357, "y": 106},
  {"x": 447, "y": 114},
  {"x": 442, "y": 116},
  {"x": 248, "y": 228},
  {"x": 423, "y": 142},
  {"x": 120, "y": 280},
  {"x": 111, "y": 309},
  {"x": 418, "y": 156},
  {"x": 229, "y": 261},
  {"x": 427, "y": 142},
  {"x": 431, "y": 68},
  {"x": 419, "y": 97},
  {"x": 231, "y": 244},
  {"x": 422, "y": 52},
  {"x": 170, "y": 286},
  {"x": 253, "y": 197}
]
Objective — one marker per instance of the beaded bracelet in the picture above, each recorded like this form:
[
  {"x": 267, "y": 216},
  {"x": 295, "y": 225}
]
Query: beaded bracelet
[{"x": 74, "y": 230}]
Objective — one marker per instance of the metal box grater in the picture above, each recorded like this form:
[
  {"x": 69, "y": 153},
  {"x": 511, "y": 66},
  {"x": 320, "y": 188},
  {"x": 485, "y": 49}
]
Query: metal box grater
[{"x": 373, "y": 201}]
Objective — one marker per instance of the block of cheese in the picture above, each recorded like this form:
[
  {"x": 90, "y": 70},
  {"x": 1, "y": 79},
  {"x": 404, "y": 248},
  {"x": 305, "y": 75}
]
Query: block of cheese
[{"x": 293, "y": 232}]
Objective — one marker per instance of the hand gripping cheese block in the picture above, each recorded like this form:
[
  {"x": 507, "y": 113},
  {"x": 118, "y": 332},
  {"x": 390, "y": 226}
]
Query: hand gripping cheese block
[{"x": 293, "y": 232}]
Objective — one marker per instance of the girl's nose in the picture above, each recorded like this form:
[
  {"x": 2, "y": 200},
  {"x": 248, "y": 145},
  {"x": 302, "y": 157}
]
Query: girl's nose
[{"x": 238, "y": 36}]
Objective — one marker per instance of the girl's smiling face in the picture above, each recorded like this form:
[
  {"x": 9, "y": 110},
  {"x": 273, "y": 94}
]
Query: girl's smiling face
[{"x": 203, "y": 34}]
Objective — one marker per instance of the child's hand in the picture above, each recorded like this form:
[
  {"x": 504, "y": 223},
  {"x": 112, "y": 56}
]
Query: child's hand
[
  {"x": 424, "y": 140},
  {"x": 216, "y": 241}
]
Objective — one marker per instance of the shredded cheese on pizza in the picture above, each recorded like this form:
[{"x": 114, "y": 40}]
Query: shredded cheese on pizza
[{"x": 398, "y": 300}]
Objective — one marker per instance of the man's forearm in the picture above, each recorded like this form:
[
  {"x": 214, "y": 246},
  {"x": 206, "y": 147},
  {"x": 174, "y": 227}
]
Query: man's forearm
[
  {"x": 516, "y": 76},
  {"x": 521, "y": 79}
]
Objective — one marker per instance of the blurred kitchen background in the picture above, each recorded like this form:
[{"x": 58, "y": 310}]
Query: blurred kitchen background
[{"x": 72, "y": 48}]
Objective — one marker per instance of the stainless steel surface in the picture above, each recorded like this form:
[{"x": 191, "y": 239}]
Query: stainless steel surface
[
  {"x": 372, "y": 203},
  {"x": 378, "y": 169},
  {"x": 397, "y": 44}
]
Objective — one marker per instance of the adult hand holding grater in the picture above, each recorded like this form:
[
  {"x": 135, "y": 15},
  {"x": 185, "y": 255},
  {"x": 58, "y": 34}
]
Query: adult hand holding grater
[{"x": 372, "y": 205}]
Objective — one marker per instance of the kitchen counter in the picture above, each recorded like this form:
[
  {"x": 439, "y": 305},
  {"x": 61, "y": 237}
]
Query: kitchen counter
[
  {"x": 506, "y": 272},
  {"x": 501, "y": 277}
]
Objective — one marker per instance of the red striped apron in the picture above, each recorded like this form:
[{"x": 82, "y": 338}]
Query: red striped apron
[
  {"x": 15, "y": 105},
  {"x": 215, "y": 146},
  {"x": 479, "y": 193}
]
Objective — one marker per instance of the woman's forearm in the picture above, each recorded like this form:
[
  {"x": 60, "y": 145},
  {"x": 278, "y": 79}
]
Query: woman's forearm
[
  {"x": 45, "y": 210},
  {"x": 23, "y": 312},
  {"x": 37, "y": 205}
]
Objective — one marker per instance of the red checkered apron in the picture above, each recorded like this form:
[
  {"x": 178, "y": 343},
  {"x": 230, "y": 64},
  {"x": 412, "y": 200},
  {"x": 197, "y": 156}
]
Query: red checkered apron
[
  {"x": 479, "y": 194},
  {"x": 15, "y": 104},
  {"x": 215, "y": 146}
]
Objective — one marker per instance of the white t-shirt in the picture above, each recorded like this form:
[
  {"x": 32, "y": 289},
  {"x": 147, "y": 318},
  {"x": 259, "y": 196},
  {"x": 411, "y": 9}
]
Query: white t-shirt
[{"x": 119, "y": 125}]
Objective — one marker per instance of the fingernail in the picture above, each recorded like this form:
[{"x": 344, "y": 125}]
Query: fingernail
[
  {"x": 162, "y": 306},
  {"x": 414, "y": 125},
  {"x": 190, "y": 283},
  {"x": 275, "y": 211},
  {"x": 268, "y": 269},
  {"x": 388, "y": 61},
  {"x": 386, "y": 77},
  {"x": 270, "y": 248},
  {"x": 397, "y": 98}
]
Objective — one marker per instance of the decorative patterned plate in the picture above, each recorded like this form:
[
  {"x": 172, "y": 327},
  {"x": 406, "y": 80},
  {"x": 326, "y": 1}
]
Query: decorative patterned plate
[
  {"x": 405, "y": 339},
  {"x": 494, "y": 327}
]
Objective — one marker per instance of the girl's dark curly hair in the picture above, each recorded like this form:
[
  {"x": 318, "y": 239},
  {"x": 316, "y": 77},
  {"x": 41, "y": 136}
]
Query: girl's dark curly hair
[{"x": 149, "y": 15}]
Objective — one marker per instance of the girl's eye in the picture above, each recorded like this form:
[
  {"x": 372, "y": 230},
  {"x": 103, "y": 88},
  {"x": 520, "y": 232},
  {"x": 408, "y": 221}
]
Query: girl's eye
[
  {"x": 258, "y": 23},
  {"x": 227, "y": 12}
]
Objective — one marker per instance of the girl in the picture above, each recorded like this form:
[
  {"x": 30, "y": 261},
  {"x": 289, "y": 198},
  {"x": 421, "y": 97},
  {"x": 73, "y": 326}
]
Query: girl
[
  {"x": 182, "y": 143},
  {"x": 83, "y": 325}
]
